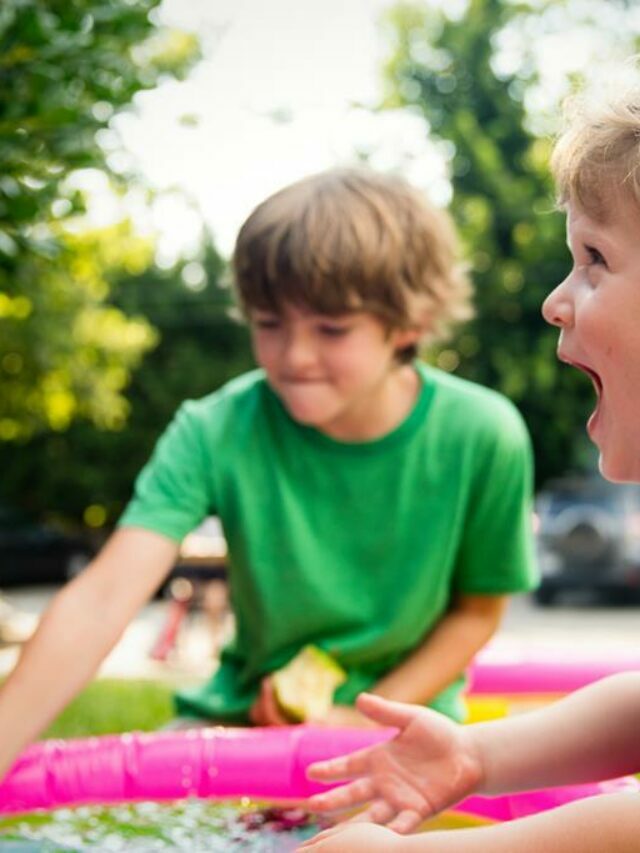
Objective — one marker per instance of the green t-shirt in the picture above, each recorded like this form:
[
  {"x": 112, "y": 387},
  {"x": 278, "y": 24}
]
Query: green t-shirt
[{"x": 357, "y": 548}]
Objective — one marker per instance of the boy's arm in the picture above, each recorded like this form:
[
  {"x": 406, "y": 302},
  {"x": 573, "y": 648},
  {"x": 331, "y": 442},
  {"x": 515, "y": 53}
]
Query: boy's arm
[
  {"x": 446, "y": 652},
  {"x": 78, "y": 629},
  {"x": 594, "y": 825},
  {"x": 437, "y": 661},
  {"x": 607, "y": 823},
  {"x": 587, "y": 736}
]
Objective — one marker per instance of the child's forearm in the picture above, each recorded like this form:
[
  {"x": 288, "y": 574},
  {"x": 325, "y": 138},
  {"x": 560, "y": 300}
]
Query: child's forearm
[
  {"x": 78, "y": 629},
  {"x": 588, "y": 736},
  {"x": 608, "y": 823},
  {"x": 57, "y": 661},
  {"x": 445, "y": 653}
]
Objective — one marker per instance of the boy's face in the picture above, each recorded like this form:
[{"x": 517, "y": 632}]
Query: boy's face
[
  {"x": 336, "y": 374},
  {"x": 597, "y": 308}
]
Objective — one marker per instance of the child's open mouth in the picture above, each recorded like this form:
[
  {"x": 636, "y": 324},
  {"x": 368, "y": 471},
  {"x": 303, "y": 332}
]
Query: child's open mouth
[{"x": 597, "y": 384}]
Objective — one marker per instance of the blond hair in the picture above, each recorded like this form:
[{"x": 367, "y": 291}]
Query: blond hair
[
  {"x": 596, "y": 159},
  {"x": 352, "y": 239}
]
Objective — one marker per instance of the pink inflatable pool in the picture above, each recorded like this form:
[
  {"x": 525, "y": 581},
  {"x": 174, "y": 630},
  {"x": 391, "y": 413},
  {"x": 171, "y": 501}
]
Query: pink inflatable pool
[
  {"x": 220, "y": 763},
  {"x": 509, "y": 668}
]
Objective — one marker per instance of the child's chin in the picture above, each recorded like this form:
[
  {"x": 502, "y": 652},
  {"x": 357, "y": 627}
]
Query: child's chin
[
  {"x": 618, "y": 470},
  {"x": 305, "y": 417}
]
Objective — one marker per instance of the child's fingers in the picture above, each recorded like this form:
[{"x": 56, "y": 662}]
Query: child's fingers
[
  {"x": 264, "y": 711},
  {"x": 380, "y": 811},
  {"x": 268, "y": 695},
  {"x": 406, "y": 821},
  {"x": 342, "y": 767},
  {"x": 384, "y": 711},
  {"x": 346, "y": 797},
  {"x": 256, "y": 715}
]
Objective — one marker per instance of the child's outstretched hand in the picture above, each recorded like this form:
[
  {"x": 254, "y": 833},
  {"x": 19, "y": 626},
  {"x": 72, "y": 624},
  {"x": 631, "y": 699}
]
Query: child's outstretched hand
[{"x": 429, "y": 765}]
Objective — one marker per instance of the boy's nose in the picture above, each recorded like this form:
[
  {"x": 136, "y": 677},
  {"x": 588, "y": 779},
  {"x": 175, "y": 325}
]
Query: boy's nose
[
  {"x": 297, "y": 352},
  {"x": 557, "y": 308}
]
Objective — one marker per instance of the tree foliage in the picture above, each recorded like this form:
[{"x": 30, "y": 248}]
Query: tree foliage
[
  {"x": 503, "y": 204},
  {"x": 66, "y": 68},
  {"x": 86, "y": 472},
  {"x": 66, "y": 352}
]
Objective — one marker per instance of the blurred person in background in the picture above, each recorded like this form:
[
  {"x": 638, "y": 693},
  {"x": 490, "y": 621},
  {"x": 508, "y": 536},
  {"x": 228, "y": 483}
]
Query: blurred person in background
[{"x": 373, "y": 506}]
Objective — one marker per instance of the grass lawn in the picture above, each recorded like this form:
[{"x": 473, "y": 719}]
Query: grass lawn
[{"x": 108, "y": 705}]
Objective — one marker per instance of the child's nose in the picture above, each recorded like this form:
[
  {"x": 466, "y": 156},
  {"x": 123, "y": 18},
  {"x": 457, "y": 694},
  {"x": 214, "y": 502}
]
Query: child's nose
[
  {"x": 298, "y": 352},
  {"x": 557, "y": 308}
]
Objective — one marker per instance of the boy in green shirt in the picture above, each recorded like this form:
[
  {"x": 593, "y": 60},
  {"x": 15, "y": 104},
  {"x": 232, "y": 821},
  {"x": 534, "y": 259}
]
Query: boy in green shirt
[{"x": 373, "y": 506}]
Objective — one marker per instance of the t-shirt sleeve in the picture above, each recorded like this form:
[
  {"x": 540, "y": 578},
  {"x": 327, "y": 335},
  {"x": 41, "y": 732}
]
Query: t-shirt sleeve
[
  {"x": 172, "y": 493},
  {"x": 496, "y": 553}
]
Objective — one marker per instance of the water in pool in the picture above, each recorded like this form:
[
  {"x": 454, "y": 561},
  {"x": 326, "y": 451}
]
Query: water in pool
[{"x": 187, "y": 826}]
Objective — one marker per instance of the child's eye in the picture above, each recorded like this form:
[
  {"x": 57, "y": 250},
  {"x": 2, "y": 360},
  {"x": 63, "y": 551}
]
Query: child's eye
[
  {"x": 333, "y": 331},
  {"x": 595, "y": 256}
]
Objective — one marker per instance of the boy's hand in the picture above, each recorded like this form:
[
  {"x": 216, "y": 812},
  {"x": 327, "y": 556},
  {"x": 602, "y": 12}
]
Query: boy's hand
[
  {"x": 354, "y": 838},
  {"x": 265, "y": 710},
  {"x": 429, "y": 765}
]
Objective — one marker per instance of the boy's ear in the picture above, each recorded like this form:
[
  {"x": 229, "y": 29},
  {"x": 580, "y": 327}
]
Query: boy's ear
[{"x": 404, "y": 338}]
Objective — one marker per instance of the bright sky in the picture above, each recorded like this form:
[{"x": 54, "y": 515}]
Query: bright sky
[
  {"x": 282, "y": 92},
  {"x": 276, "y": 98}
]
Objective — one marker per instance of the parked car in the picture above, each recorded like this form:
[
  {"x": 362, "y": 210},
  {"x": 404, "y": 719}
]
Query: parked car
[
  {"x": 35, "y": 552},
  {"x": 588, "y": 538}
]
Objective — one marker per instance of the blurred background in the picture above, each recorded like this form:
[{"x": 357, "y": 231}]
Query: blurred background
[{"x": 135, "y": 137}]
